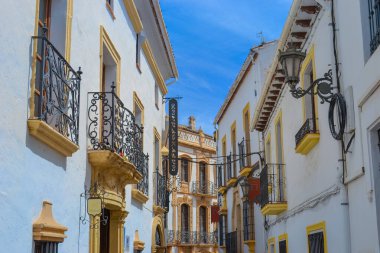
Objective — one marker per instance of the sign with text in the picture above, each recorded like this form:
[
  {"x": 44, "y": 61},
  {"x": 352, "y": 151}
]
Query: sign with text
[{"x": 173, "y": 137}]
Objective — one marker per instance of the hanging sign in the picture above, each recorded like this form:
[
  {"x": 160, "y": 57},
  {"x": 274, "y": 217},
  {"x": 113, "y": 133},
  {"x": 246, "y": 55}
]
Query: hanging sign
[{"x": 173, "y": 137}]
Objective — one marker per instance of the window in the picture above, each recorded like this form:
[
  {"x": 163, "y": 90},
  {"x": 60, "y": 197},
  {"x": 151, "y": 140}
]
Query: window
[
  {"x": 271, "y": 245},
  {"x": 248, "y": 221},
  {"x": 224, "y": 152},
  {"x": 45, "y": 247},
  {"x": 156, "y": 96},
  {"x": 222, "y": 230},
  {"x": 279, "y": 156},
  {"x": 138, "y": 110},
  {"x": 246, "y": 116},
  {"x": 185, "y": 224},
  {"x": 138, "y": 50},
  {"x": 268, "y": 150},
  {"x": 374, "y": 24},
  {"x": 233, "y": 144},
  {"x": 109, "y": 5},
  {"x": 202, "y": 178},
  {"x": 156, "y": 150},
  {"x": 316, "y": 238},
  {"x": 309, "y": 99},
  {"x": 282, "y": 243},
  {"x": 203, "y": 224},
  {"x": 185, "y": 170}
]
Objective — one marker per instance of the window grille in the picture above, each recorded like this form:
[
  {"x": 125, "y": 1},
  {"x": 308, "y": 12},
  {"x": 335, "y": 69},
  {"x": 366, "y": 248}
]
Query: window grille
[
  {"x": 248, "y": 218},
  {"x": 374, "y": 23},
  {"x": 316, "y": 243},
  {"x": 46, "y": 247},
  {"x": 282, "y": 246}
]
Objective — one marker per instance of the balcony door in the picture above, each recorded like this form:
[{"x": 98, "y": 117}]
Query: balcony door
[
  {"x": 309, "y": 99},
  {"x": 279, "y": 156},
  {"x": 185, "y": 224},
  {"x": 203, "y": 224},
  {"x": 202, "y": 178}
]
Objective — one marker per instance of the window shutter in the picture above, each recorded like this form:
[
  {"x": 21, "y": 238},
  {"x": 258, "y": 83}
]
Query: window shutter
[
  {"x": 214, "y": 213},
  {"x": 254, "y": 189}
]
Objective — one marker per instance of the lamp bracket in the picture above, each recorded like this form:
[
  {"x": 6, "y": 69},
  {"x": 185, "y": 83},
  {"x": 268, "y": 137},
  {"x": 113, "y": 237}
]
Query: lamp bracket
[{"x": 324, "y": 88}]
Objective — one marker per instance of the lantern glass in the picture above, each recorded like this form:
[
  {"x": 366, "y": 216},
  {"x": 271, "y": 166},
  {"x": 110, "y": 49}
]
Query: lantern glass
[
  {"x": 291, "y": 61},
  {"x": 244, "y": 187}
]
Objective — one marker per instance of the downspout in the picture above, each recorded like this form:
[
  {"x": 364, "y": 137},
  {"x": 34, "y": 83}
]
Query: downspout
[{"x": 343, "y": 168}]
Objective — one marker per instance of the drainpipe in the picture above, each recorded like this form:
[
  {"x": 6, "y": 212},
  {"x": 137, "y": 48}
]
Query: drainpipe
[{"x": 343, "y": 168}]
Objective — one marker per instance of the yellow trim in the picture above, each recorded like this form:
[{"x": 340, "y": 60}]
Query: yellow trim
[
  {"x": 274, "y": 209},
  {"x": 268, "y": 141},
  {"x": 248, "y": 149},
  {"x": 51, "y": 137},
  {"x": 251, "y": 245},
  {"x": 246, "y": 109},
  {"x": 284, "y": 237},
  {"x": 308, "y": 142},
  {"x": 137, "y": 101},
  {"x": 133, "y": 15},
  {"x": 157, "y": 222},
  {"x": 278, "y": 119},
  {"x": 106, "y": 41},
  {"x": 245, "y": 171},
  {"x": 222, "y": 189},
  {"x": 139, "y": 196},
  {"x": 69, "y": 19},
  {"x": 231, "y": 181},
  {"x": 272, "y": 241},
  {"x": 321, "y": 226},
  {"x": 309, "y": 59}
]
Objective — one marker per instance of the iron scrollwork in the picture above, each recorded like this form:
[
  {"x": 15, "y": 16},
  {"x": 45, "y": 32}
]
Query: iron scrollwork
[
  {"x": 95, "y": 191},
  {"x": 143, "y": 185},
  {"x": 323, "y": 89},
  {"x": 57, "y": 90}
]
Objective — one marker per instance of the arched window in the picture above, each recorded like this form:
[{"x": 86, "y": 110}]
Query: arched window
[
  {"x": 158, "y": 237},
  {"x": 203, "y": 224},
  {"x": 185, "y": 228},
  {"x": 185, "y": 170}
]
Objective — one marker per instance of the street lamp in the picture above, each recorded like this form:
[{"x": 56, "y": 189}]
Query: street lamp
[
  {"x": 291, "y": 61},
  {"x": 245, "y": 187}
]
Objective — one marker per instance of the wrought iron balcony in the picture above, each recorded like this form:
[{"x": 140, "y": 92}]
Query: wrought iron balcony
[
  {"x": 272, "y": 189},
  {"x": 56, "y": 96},
  {"x": 374, "y": 24},
  {"x": 191, "y": 237},
  {"x": 160, "y": 191},
  {"x": 244, "y": 150},
  {"x": 143, "y": 185},
  {"x": 206, "y": 188},
  {"x": 112, "y": 127},
  {"x": 307, "y": 128},
  {"x": 231, "y": 242}
]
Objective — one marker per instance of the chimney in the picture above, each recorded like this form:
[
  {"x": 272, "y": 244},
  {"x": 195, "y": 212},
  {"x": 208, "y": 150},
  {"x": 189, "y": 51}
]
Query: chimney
[{"x": 192, "y": 123}]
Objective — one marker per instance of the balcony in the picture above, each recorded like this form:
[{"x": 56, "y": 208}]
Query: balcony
[
  {"x": 55, "y": 112},
  {"x": 141, "y": 192},
  {"x": 114, "y": 143},
  {"x": 203, "y": 189},
  {"x": 221, "y": 182},
  {"x": 244, "y": 158},
  {"x": 231, "y": 175},
  {"x": 161, "y": 194},
  {"x": 272, "y": 190},
  {"x": 307, "y": 137},
  {"x": 191, "y": 238}
]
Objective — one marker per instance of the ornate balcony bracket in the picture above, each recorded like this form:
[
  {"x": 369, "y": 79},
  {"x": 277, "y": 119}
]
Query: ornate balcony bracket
[{"x": 139, "y": 196}]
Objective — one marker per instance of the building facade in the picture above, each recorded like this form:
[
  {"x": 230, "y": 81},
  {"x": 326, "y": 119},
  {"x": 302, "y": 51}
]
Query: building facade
[
  {"x": 80, "y": 80},
  {"x": 319, "y": 182},
  {"x": 238, "y": 149},
  {"x": 189, "y": 220}
]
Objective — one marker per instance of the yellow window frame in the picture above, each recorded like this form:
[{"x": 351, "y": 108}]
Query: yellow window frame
[
  {"x": 283, "y": 237},
  {"x": 272, "y": 241},
  {"x": 318, "y": 227},
  {"x": 233, "y": 145}
]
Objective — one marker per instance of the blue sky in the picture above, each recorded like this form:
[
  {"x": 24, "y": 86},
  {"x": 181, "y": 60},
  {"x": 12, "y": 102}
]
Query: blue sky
[{"x": 211, "y": 39}]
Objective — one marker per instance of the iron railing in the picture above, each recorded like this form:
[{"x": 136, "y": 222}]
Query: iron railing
[
  {"x": 374, "y": 23},
  {"x": 272, "y": 184},
  {"x": 244, "y": 150},
  {"x": 57, "y": 90},
  {"x": 230, "y": 170},
  {"x": 143, "y": 185},
  {"x": 221, "y": 181},
  {"x": 160, "y": 189},
  {"x": 111, "y": 126},
  {"x": 307, "y": 128},
  {"x": 207, "y": 187},
  {"x": 191, "y": 237},
  {"x": 248, "y": 221},
  {"x": 231, "y": 242}
]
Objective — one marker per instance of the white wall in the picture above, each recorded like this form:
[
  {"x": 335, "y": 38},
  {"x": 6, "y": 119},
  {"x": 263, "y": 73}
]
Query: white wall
[{"x": 31, "y": 171}]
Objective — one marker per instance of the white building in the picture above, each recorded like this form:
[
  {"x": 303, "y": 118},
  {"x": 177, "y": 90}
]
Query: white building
[
  {"x": 189, "y": 220},
  {"x": 235, "y": 142},
  {"x": 319, "y": 194},
  {"x": 64, "y": 133}
]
